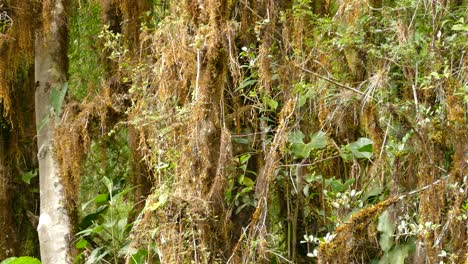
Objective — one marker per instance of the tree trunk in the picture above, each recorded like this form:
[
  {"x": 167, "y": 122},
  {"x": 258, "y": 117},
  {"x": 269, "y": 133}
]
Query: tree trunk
[{"x": 51, "y": 73}]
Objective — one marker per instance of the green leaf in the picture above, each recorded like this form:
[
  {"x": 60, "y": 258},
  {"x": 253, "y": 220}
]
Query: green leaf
[
  {"x": 96, "y": 255},
  {"x": 387, "y": 228},
  {"x": 21, "y": 260},
  {"x": 139, "y": 257},
  {"x": 359, "y": 149},
  {"x": 301, "y": 150},
  {"x": 161, "y": 202},
  {"x": 241, "y": 140},
  {"x": 337, "y": 186},
  {"x": 89, "y": 219},
  {"x": 78, "y": 258},
  {"x": 247, "y": 82},
  {"x": 121, "y": 225},
  {"x": 81, "y": 244},
  {"x": 57, "y": 97},
  {"x": 273, "y": 104},
  {"x": 108, "y": 182},
  {"x": 296, "y": 137},
  {"x": 246, "y": 181},
  {"x": 26, "y": 177},
  {"x": 318, "y": 140},
  {"x": 399, "y": 253},
  {"x": 101, "y": 199},
  {"x": 8, "y": 260},
  {"x": 460, "y": 27},
  {"x": 310, "y": 177},
  {"x": 298, "y": 147},
  {"x": 244, "y": 158},
  {"x": 372, "y": 193},
  {"x": 42, "y": 123}
]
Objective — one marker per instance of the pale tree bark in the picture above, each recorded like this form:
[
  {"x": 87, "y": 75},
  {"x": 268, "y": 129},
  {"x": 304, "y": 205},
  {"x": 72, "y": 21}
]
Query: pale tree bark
[{"x": 54, "y": 227}]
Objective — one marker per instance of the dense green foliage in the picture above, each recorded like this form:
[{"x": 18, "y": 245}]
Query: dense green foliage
[
  {"x": 375, "y": 90},
  {"x": 298, "y": 131}
]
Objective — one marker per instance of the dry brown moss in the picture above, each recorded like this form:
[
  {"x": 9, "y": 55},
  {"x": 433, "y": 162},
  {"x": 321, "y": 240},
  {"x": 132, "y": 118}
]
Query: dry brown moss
[
  {"x": 352, "y": 239},
  {"x": 189, "y": 107},
  {"x": 79, "y": 125},
  {"x": 16, "y": 52}
]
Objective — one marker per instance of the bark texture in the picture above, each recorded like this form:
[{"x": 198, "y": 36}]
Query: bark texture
[{"x": 51, "y": 73}]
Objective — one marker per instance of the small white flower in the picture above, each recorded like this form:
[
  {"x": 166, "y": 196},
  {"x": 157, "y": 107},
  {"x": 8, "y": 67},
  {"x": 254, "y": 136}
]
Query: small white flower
[
  {"x": 428, "y": 225},
  {"x": 329, "y": 237},
  {"x": 313, "y": 254}
]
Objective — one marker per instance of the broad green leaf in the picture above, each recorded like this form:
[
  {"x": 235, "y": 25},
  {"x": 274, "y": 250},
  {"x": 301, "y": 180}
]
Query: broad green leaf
[
  {"x": 348, "y": 183},
  {"x": 372, "y": 192},
  {"x": 301, "y": 150},
  {"x": 26, "y": 177},
  {"x": 101, "y": 199},
  {"x": 247, "y": 182},
  {"x": 273, "y": 104},
  {"x": 399, "y": 253},
  {"x": 359, "y": 149},
  {"x": 247, "y": 82},
  {"x": 387, "y": 228},
  {"x": 302, "y": 100},
  {"x": 244, "y": 158},
  {"x": 460, "y": 27},
  {"x": 21, "y": 260},
  {"x": 337, "y": 186},
  {"x": 121, "y": 225},
  {"x": 296, "y": 137},
  {"x": 82, "y": 243},
  {"x": 298, "y": 147},
  {"x": 8, "y": 260},
  {"x": 108, "y": 182},
  {"x": 318, "y": 140},
  {"x": 89, "y": 219},
  {"x": 310, "y": 177}
]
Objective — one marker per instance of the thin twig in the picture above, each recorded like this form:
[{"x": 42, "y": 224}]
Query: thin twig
[
  {"x": 415, "y": 86},
  {"x": 423, "y": 188},
  {"x": 332, "y": 81}
]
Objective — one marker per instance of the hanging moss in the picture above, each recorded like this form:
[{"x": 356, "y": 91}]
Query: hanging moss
[{"x": 215, "y": 95}]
